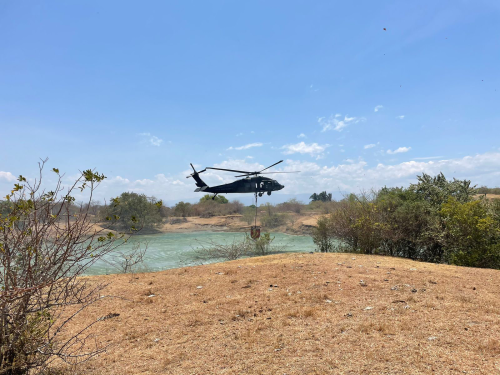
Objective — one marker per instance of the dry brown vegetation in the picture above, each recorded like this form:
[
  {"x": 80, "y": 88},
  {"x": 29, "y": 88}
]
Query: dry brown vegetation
[{"x": 300, "y": 314}]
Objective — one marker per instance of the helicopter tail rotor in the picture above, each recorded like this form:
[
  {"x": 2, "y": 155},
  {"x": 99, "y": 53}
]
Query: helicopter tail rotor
[{"x": 199, "y": 182}]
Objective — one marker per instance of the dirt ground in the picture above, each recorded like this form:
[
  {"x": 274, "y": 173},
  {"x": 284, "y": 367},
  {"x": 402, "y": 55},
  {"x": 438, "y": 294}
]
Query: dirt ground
[
  {"x": 488, "y": 196},
  {"x": 300, "y": 314}
]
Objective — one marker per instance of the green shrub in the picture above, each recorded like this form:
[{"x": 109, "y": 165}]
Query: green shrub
[
  {"x": 471, "y": 236},
  {"x": 322, "y": 236},
  {"x": 273, "y": 220},
  {"x": 133, "y": 210},
  {"x": 434, "y": 220}
]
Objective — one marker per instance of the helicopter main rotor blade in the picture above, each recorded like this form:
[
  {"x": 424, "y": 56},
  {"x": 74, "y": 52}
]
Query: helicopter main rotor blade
[
  {"x": 271, "y": 166},
  {"x": 280, "y": 172},
  {"x": 228, "y": 170},
  {"x": 251, "y": 174}
]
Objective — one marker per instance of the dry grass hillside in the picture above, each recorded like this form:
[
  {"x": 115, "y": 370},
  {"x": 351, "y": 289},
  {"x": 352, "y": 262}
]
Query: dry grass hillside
[{"x": 301, "y": 314}]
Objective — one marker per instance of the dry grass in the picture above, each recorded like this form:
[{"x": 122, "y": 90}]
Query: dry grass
[
  {"x": 488, "y": 196},
  {"x": 316, "y": 318}
]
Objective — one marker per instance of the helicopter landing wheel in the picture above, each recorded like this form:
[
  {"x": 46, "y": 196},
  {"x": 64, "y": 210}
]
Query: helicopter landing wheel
[
  {"x": 260, "y": 194},
  {"x": 268, "y": 193}
]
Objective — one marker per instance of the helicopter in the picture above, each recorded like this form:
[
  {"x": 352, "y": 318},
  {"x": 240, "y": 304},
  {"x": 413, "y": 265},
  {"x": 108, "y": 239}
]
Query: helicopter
[{"x": 252, "y": 183}]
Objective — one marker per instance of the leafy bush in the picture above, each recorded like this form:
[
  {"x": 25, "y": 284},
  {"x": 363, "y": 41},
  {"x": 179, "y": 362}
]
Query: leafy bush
[
  {"x": 291, "y": 205},
  {"x": 471, "y": 235},
  {"x": 323, "y": 207},
  {"x": 132, "y": 210},
  {"x": 322, "y": 235},
  {"x": 273, "y": 220},
  {"x": 44, "y": 247},
  {"x": 209, "y": 208},
  {"x": 182, "y": 209},
  {"x": 261, "y": 245},
  {"x": 248, "y": 215},
  {"x": 218, "y": 199},
  {"x": 236, "y": 249},
  {"x": 434, "y": 220}
]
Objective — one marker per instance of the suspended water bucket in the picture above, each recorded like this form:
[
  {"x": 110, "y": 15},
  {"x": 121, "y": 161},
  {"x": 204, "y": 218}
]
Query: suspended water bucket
[{"x": 255, "y": 232}]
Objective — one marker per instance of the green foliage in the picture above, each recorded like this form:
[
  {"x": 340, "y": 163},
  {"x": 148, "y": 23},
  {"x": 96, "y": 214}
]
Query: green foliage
[
  {"x": 471, "y": 236},
  {"x": 182, "y": 209},
  {"x": 273, "y": 220},
  {"x": 5, "y": 208},
  {"x": 436, "y": 190},
  {"x": 323, "y": 197},
  {"x": 218, "y": 199},
  {"x": 132, "y": 210},
  {"x": 262, "y": 244},
  {"x": 291, "y": 205},
  {"x": 249, "y": 215},
  {"x": 321, "y": 235},
  {"x": 434, "y": 220}
]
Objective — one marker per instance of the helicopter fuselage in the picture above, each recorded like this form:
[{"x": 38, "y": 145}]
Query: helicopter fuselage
[{"x": 245, "y": 185}]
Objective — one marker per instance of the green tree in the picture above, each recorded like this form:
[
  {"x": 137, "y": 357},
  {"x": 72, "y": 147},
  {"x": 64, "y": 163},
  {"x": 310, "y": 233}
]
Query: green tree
[
  {"x": 218, "y": 199},
  {"x": 182, "y": 209},
  {"x": 323, "y": 197},
  {"x": 471, "y": 236},
  {"x": 132, "y": 210},
  {"x": 436, "y": 190},
  {"x": 322, "y": 235}
]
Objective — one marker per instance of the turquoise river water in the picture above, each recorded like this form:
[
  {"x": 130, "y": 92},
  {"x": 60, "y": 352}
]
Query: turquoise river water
[{"x": 174, "y": 250}]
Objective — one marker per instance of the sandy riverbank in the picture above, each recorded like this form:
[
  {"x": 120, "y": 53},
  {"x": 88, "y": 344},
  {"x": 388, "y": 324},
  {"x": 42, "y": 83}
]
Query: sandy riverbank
[{"x": 301, "y": 224}]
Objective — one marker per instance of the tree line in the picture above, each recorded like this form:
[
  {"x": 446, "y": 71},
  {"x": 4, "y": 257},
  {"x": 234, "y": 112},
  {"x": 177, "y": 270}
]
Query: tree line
[{"x": 436, "y": 220}]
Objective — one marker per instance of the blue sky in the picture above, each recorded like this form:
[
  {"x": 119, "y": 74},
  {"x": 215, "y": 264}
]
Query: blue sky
[{"x": 140, "y": 90}]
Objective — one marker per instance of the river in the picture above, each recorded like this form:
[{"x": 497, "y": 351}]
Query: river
[{"x": 174, "y": 250}]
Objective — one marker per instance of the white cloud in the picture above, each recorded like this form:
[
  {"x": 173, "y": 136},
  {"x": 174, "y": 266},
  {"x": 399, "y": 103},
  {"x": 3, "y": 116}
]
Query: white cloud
[
  {"x": 312, "y": 149},
  {"x": 7, "y": 176},
  {"x": 246, "y": 147},
  {"x": 482, "y": 169},
  {"x": 400, "y": 117},
  {"x": 239, "y": 134},
  {"x": 399, "y": 150},
  {"x": 369, "y": 146},
  {"x": 348, "y": 176},
  {"x": 153, "y": 139},
  {"x": 429, "y": 158},
  {"x": 378, "y": 108},
  {"x": 333, "y": 123},
  {"x": 301, "y": 135}
]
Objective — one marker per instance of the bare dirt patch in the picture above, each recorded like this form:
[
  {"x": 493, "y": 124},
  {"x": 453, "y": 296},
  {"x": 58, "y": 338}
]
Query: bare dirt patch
[{"x": 301, "y": 314}]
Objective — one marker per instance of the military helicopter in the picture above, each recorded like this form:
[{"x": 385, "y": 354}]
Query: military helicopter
[{"x": 252, "y": 183}]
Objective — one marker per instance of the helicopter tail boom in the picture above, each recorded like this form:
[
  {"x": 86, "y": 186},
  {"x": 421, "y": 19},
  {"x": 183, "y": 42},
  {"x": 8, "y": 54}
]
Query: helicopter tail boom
[{"x": 199, "y": 182}]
